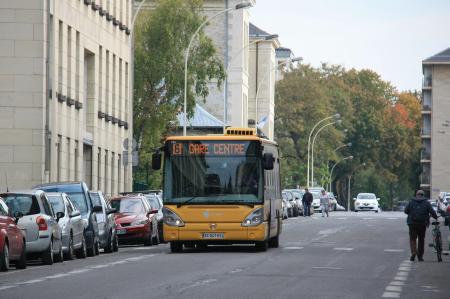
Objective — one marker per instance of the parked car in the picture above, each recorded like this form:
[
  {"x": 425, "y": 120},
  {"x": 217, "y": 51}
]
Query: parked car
[
  {"x": 366, "y": 202},
  {"x": 289, "y": 208},
  {"x": 107, "y": 232},
  {"x": 284, "y": 206},
  {"x": 293, "y": 202},
  {"x": 43, "y": 235},
  {"x": 136, "y": 220},
  {"x": 156, "y": 203},
  {"x": 339, "y": 207},
  {"x": 12, "y": 240},
  {"x": 316, "y": 200},
  {"x": 71, "y": 225},
  {"x": 298, "y": 195},
  {"x": 79, "y": 195}
]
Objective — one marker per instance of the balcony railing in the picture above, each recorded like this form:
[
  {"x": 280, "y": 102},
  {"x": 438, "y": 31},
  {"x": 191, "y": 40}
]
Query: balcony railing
[
  {"x": 427, "y": 82},
  {"x": 425, "y": 179},
  {"x": 425, "y": 132},
  {"x": 426, "y": 108},
  {"x": 425, "y": 156}
]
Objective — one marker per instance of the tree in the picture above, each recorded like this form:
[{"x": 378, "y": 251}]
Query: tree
[{"x": 161, "y": 39}]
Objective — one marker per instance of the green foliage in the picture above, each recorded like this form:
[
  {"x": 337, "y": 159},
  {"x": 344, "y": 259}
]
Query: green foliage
[
  {"x": 382, "y": 125},
  {"x": 161, "y": 38}
]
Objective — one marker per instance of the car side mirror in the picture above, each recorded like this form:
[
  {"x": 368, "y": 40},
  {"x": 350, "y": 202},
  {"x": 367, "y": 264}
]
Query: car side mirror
[
  {"x": 17, "y": 216},
  {"x": 153, "y": 211},
  {"x": 354, "y": 198},
  {"x": 378, "y": 198},
  {"x": 59, "y": 215},
  {"x": 156, "y": 160},
  {"x": 111, "y": 211},
  {"x": 75, "y": 214},
  {"x": 268, "y": 161},
  {"x": 97, "y": 209}
]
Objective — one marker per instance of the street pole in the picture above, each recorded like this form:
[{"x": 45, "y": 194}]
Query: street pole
[
  {"x": 312, "y": 149},
  {"x": 335, "y": 164},
  {"x": 186, "y": 55},
  {"x": 336, "y": 116},
  {"x": 228, "y": 64},
  {"x": 291, "y": 60},
  {"x": 348, "y": 195}
]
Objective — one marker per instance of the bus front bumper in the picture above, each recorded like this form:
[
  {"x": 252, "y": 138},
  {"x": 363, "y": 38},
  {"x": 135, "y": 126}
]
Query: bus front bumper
[{"x": 216, "y": 233}]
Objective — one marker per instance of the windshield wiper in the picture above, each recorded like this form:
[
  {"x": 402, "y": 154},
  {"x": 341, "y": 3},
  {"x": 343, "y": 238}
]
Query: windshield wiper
[{"x": 189, "y": 199}]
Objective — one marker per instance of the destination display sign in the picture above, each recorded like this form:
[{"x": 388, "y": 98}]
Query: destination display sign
[{"x": 212, "y": 148}]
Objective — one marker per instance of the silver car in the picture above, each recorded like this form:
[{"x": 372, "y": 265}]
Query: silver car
[
  {"x": 106, "y": 223},
  {"x": 71, "y": 224},
  {"x": 39, "y": 224}
]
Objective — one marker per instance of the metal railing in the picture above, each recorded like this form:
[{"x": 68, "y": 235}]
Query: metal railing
[{"x": 427, "y": 81}]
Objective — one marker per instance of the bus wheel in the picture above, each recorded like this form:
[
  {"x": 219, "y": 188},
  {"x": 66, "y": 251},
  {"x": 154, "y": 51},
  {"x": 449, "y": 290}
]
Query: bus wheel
[
  {"x": 261, "y": 246},
  {"x": 274, "y": 242},
  {"x": 176, "y": 247}
]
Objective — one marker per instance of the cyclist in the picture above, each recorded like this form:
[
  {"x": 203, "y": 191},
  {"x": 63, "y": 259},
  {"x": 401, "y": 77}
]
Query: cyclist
[{"x": 418, "y": 210}]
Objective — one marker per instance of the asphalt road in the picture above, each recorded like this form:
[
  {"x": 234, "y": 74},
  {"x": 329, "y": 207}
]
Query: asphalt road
[{"x": 355, "y": 255}]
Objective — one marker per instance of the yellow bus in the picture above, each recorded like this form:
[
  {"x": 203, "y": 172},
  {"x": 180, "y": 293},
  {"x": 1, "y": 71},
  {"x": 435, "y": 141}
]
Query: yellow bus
[{"x": 221, "y": 190}]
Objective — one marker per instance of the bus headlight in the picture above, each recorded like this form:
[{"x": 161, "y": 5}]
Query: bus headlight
[
  {"x": 255, "y": 218},
  {"x": 171, "y": 219}
]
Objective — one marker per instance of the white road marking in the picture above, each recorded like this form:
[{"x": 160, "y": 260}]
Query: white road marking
[
  {"x": 402, "y": 273},
  {"x": 292, "y": 248},
  {"x": 393, "y": 218},
  {"x": 79, "y": 271},
  {"x": 404, "y": 268},
  {"x": 198, "y": 284},
  {"x": 394, "y": 289},
  {"x": 327, "y": 268},
  {"x": 57, "y": 276},
  {"x": 343, "y": 249},
  {"x": 33, "y": 281},
  {"x": 402, "y": 278},
  {"x": 391, "y": 295},
  {"x": 6, "y": 287},
  {"x": 236, "y": 271},
  {"x": 394, "y": 250}
]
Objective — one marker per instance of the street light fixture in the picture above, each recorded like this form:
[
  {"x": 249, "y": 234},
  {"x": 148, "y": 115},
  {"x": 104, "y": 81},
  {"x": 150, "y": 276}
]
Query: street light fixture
[
  {"x": 336, "y": 116},
  {"x": 186, "y": 55},
  {"x": 295, "y": 59},
  {"x": 225, "y": 95},
  {"x": 332, "y": 168},
  {"x": 342, "y": 146},
  {"x": 338, "y": 122}
]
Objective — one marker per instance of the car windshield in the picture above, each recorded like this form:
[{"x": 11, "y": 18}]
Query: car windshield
[
  {"x": 213, "y": 177},
  {"x": 79, "y": 200},
  {"x": 57, "y": 203},
  {"x": 366, "y": 196},
  {"x": 315, "y": 195},
  {"x": 128, "y": 206},
  {"x": 297, "y": 194},
  {"x": 153, "y": 201},
  {"x": 23, "y": 203}
]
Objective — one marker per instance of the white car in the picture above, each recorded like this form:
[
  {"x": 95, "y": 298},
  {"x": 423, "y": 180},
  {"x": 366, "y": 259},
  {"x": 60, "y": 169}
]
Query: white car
[
  {"x": 366, "y": 202},
  {"x": 316, "y": 200}
]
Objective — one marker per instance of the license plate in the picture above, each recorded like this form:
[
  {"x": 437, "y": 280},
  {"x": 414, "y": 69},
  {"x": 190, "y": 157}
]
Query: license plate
[
  {"x": 213, "y": 236},
  {"x": 121, "y": 231}
]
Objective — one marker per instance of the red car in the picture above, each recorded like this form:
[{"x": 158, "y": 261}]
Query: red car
[
  {"x": 136, "y": 220},
  {"x": 12, "y": 240}
]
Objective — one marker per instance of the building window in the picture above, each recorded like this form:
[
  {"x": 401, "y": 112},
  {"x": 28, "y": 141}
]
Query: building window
[
  {"x": 105, "y": 177},
  {"x": 89, "y": 89},
  {"x": 114, "y": 87},
  {"x": 112, "y": 174},
  {"x": 119, "y": 110},
  {"x": 99, "y": 169},
  {"x": 119, "y": 170},
  {"x": 60, "y": 57},
  {"x": 100, "y": 78},
  {"x": 77, "y": 156},
  {"x": 58, "y": 158},
  {"x": 126, "y": 92},
  {"x": 107, "y": 92},
  {"x": 69, "y": 62},
  {"x": 68, "y": 158},
  {"x": 77, "y": 67}
]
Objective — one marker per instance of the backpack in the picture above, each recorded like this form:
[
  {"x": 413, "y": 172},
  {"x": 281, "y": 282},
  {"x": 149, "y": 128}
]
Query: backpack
[{"x": 419, "y": 212}]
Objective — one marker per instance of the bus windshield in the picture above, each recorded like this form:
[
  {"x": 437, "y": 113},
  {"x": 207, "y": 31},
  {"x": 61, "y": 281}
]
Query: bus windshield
[{"x": 213, "y": 173}]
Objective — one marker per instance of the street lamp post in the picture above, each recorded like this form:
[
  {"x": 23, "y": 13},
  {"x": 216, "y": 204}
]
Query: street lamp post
[
  {"x": 335, "y": 164},
  {"x": 291, "y": 60},
  {"x": 312, "y": 147},
  {"x": 336, "y": 116},
  {"x": 186, "y": 55},
  {"x": 348, "y": 191},
  {"x": 225, "y": 112},
  {"x": 342, "y": 146}
]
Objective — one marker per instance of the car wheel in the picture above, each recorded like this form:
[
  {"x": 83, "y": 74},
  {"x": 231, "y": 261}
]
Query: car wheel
[
  {"x": 47, "y": 255},
  {"x": 274, "y": 242},
  {"x": 97, "y": 248},
  {"x": 82, "y": 252},
  {"x": 149, "y": 240},
  {"x": 70, "y": 255},
  {"x": 22, "y": 262},
  {"x": 116, "y": 243},
  {"x": 110, "y": 245},
  {"x": 59, "y": 258},
  {"x": 262, "y": 246},
  {"x": 4, "y": 258},
  {"x": 176, "y": 247}
]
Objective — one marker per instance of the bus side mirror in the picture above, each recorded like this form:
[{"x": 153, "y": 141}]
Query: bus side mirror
[
  {"x": 268, "y": 161},
  {"x": 156, "y": 161}
]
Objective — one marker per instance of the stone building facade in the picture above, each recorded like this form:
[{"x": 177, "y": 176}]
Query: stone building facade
[{"x": 65, "y": 109}]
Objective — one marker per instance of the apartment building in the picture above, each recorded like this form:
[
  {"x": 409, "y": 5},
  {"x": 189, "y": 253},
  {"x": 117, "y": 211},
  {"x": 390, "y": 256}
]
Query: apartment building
[
  {"x": 65, "y": 109},
  {"x": 263, "y": 73},
  {"x": 435, "y": 134}
]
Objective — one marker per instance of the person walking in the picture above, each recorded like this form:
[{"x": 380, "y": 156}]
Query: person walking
[
  {"x": 307, "y": 199},
  {"x": 324, "y": 202},
  {"x": 418, "y": 210}
]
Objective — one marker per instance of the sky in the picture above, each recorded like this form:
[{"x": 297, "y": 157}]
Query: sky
[{"x": 391, "y": 37}]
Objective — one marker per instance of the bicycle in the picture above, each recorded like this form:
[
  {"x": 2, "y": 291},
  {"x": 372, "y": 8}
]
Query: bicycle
[{"x": 437, "y": 239}]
